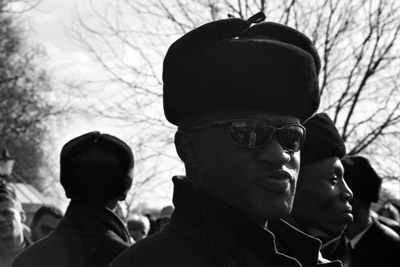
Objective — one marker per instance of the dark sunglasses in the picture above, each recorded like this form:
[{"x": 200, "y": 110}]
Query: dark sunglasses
[{"x": 256, "y": 134}]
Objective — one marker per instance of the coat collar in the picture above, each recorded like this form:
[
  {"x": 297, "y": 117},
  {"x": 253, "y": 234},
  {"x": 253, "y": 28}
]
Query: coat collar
[
  {"x": 205, "y": 219},
  {"x": 88, "y": 219}
]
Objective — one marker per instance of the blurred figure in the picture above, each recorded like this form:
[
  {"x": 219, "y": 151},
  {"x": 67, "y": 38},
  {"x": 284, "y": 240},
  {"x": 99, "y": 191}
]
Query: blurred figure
[
  {"x": 389, "y": 215},
  {"x": 390, "y": 211},
  {"x": 365, "y": 242},
  {"x": 322, "y": 202},
  {"x": 164, "y": 217},
  {"x": 45, "y": 221},
  {"x": 12, "y": 217},
  {"x": 153, "y": 224},
  {"x": 392, "y": 224},
  {"x": 96, "y": 173},
  {"x": 138, "y": 226}
]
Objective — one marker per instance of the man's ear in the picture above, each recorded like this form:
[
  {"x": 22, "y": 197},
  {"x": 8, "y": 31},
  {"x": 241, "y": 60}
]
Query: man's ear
[
  {"x": 23, "y": 216},
  {"x": 185, "y": 147}
]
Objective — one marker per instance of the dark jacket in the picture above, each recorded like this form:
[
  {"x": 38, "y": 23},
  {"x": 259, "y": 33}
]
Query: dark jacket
[
  {"x": 380, "y": 246},
  {"x": 205, "y": 232},
  {"x": 89, "y": 235}
]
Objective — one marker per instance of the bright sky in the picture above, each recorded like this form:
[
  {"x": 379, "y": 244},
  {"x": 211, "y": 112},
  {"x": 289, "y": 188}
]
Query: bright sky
[{"x": 50, "y": 23}]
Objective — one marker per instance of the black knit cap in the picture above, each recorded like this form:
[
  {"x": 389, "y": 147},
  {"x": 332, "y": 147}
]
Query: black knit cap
[
  {"x": 229, "y": 64},
  {"x": 322, "y": 140},
  {"x": 362, "y": 178},
  {"x": 96, "y": 166}
]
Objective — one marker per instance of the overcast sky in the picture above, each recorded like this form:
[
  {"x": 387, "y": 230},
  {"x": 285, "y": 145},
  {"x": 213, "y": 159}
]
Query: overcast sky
[{"x": 50, "y": 23}]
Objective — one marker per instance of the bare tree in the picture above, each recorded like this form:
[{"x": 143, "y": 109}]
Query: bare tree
[
  {"x": 358, "y": 42},
  {"x": 24, "y": 107}
]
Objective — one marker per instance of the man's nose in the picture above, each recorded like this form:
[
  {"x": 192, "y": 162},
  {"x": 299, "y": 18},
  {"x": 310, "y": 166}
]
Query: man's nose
[
  {"x": 347, "y": 194},
  {"x": 274, "y": 153}
]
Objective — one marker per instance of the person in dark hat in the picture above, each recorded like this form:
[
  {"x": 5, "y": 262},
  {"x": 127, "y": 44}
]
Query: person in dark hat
[
  {"x": 322, "y": 203},
  {"x": 238, "y": 94},
  {"x": 96, "y": 173},
  {"x": 365, "y": 242},
  {"x": 164, "y": 217}
]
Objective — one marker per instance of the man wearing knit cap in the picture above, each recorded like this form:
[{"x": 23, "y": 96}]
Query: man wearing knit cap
[
  {"x": 322, "y": 203},
  {"x": 238, "y": 93},
  {"x": 96, "y": 173},
  {"x": 365, "y": 242}
]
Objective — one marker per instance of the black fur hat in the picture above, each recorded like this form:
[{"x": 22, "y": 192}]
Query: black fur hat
[
  {"x": 96, "y": 166},
  {"x": 322, "y": 140},
  {"x": 229, "y": 64}
]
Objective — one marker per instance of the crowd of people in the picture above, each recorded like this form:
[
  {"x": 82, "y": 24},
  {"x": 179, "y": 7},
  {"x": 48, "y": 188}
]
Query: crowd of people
[{"x": 268, "y": 181}]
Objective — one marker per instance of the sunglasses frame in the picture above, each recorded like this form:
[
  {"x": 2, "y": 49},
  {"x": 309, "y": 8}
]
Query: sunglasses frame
[{"x": 275, "y": 130}]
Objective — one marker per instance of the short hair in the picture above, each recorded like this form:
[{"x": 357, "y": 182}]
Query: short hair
[
  {"x": 12, "y": 200},
  {"x": 47, "y": 209},
  {"x": 140, "y": 219},
  {"x": 7, "y": 188}
]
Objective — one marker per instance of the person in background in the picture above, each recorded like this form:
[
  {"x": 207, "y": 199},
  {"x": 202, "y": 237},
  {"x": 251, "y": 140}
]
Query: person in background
[
  {"x": 164, "y": 217},
  {"x": 322, "y": 202},
  {"x": 96, "y": 173},
  {"x": 389, "y": 215},
  {"x": 45, "y": 221},
  {"x": 138, "y": 227},
  {"x": 365, "y": 242},
  {"x": 239, "y": 94},
  {"x": 12, "y": 217},
  {"x": 153, "y": 223},
  {"x": 389, "y": 210}
]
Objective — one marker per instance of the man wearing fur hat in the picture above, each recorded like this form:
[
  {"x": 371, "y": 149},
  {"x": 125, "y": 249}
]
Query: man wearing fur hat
[
  {"x": 365, "y": 242},
  {"x": 238, "y": 93},
  {"x": 96, "y": 173}
]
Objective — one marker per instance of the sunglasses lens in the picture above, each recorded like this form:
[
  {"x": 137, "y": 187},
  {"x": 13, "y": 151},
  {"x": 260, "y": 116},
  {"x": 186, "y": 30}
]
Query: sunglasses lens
[
  {"x": 250, "y": 134},
  {"x": 253, "y": 134},
  {"x": 292, "y": 137}
]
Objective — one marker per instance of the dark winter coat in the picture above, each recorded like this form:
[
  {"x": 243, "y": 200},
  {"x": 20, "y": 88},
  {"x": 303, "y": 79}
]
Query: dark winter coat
[
  {"x": 89, "y": 235},
  {"x": 205, "y": 232},
  {"x": 379, "y": 246}
]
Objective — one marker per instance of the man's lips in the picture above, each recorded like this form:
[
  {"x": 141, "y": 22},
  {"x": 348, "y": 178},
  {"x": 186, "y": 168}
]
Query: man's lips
[
  {"x": 347, "y": 213},
  {"x": 278, "y": 181}
]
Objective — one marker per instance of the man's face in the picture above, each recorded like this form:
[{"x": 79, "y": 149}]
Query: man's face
[
  {"x": 322, "y": 197},
  {"x": 11, "y": 219},
  {"x": 44, "y": 226},
  {"x": 258, "y": 182}
]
